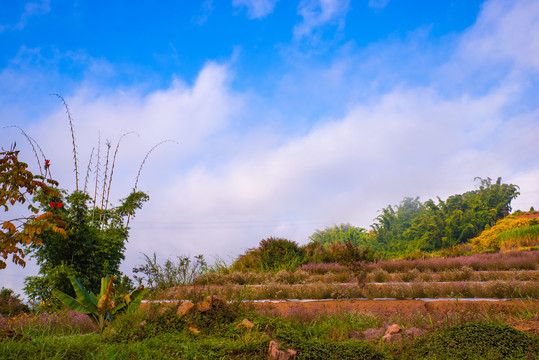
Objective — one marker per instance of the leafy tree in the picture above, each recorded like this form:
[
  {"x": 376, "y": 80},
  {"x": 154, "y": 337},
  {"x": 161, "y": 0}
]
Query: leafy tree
[
  {"x": 17, "y": 185},
  {"x": 92, "y": 249},
  {"x": 394, "y": 223},
  {"x": 434, "y": 225}
]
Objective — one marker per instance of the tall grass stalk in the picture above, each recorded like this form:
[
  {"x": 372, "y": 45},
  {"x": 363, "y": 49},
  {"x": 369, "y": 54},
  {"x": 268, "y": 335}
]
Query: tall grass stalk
[{"x": 73, "y": 140}]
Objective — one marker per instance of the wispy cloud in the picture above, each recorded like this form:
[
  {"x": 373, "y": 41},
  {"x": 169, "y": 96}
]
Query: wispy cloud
[
  {"x": 32, "y": 9},
  {"x": 205, "y": 11},
  {"x": 505, "y": 31},
  {"x": 319, "y": 13},
  {"x": 378, "y": 4},
  {"x": 256, "y": 8}
]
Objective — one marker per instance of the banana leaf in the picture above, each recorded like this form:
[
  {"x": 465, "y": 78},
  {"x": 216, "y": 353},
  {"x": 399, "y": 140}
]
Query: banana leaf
[
  {"x": 83, "y": 296},
  {"x": 71, "y": 303}
]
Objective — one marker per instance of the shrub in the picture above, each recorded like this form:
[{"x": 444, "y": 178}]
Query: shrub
[
  {"x": 475, "y": 341},
  {"x": 160, "y": 277},
  {"x": 272, "y": 254},
  {"x": 10, "y": 303},
  {"x": 380, "y": 275}
]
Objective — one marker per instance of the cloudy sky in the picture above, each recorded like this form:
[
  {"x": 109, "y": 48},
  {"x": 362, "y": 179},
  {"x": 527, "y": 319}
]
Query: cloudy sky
[{"x": 289, "y": 116}]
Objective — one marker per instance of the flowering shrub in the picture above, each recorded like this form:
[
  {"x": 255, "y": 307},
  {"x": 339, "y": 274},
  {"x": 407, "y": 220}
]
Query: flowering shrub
[{"x": 493, "y": 239}]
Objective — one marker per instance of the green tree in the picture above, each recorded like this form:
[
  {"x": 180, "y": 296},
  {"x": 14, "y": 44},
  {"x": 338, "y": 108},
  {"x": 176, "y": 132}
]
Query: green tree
[
  {"x": 93, "y": 248},
  {"x": 431, "y": 226}
]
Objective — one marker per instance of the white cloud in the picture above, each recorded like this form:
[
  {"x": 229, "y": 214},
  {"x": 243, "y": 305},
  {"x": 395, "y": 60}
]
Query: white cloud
[
  {"x": 318, "y": 13},
  {"x": 256, "y": 8},
  {"x": 504, "y": 31}
]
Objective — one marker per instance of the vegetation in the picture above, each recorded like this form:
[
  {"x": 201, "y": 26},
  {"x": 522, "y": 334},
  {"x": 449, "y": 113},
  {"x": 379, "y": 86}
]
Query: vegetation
[
  {"x": 158, "y": 332},
  {"x": 272, "y": 254},
  {"x": 92, "y": 249},
  {"x": 17, "y": 185},
  {"x": 11, "y": 304},
  {"x": 515, "y": 231},
  {"x": 431, "y": 226},
  {"x": 160, "y": 277},
  {"x": 103, "y": 308},
  {"x": 476, "y": 341}
]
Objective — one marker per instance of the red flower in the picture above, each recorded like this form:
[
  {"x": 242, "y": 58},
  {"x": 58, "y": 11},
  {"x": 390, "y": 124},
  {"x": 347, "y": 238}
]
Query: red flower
[
  {"x": 59, "y": 204},
  {"x": 47, "y": 162},
  {"x": 52, "y": 204}
]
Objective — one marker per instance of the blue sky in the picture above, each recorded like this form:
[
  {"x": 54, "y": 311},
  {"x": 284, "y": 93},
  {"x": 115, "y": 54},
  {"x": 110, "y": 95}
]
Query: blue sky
[{"x": 290, "y": 116}]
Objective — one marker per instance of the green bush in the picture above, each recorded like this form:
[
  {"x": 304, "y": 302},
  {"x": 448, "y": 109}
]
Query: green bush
[
  {"x": 10, "y": 303},
  {"x": 272, "y": 254},
  {"x": 475, "y": 341}
]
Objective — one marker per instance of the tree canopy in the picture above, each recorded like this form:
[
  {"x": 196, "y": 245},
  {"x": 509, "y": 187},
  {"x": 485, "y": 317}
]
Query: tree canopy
[{"x": 433, "y": 225}]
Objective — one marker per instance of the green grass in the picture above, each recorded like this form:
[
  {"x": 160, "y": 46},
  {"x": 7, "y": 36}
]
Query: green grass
[{"x": 162, "y": 336}]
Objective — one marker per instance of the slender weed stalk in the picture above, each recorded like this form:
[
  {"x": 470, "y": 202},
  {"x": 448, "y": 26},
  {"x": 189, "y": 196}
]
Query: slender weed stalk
[
  {"x": 73, "y": 138},
  {"x": 146, "y": 157},
  {"x": 142, "y": 165},
  {"x": 97, "y": 166},
  {"x": 107, "y": 143},
  {"x": 32, "y": 142},
  {"x": 88, "y": 171},
  {"x": 114, "y": 163}
]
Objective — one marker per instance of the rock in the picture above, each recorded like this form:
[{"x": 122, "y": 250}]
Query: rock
[
  {"x": 393, "y": 329},
  {"x": 204, "y": 306},
  {"x": 185, "y": 308},
  {"x": 194, "y": 330},
  {"x": 276, "y": 354},
  {"x": 245, "y": 324},
  {"x": 372, "y": 334},
  {"x": 393, "y": 332}
]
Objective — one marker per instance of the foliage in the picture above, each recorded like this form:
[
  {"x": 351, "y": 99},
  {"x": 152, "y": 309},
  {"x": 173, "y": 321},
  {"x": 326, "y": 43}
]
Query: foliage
[
  {"x": 313, "y": 340},
  {"x": 476, "y": 341},
  {"x": 92, "y": 249},
  {"x": 17, "y": 183},
  {"x": 101, "y": 309},
  {"x": 432, "y": 225},
  {"x": 507, "y": 233},
  {"x": 10, "y": 303},
  {"x": 272, "y": 254},
  {"x": 161, "y": 277},
  {"x": 340, "y": 233}
]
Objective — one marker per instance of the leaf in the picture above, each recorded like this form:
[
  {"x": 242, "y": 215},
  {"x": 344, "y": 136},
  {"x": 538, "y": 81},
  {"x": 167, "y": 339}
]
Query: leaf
[
  {"x": 58, "y": 230},
  {"x": 47, "y": 215},
  {"x": 9, "y": 226},
  {"x": 83, "y": 296},
  {"x": 71, "y": 303}
]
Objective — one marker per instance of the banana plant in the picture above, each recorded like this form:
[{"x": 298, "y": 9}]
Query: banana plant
[{"x": 101, "y": 310}]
